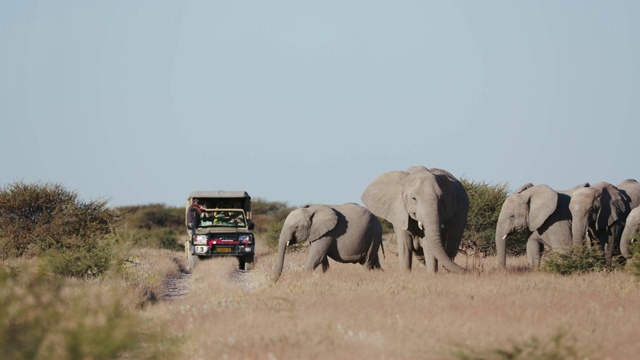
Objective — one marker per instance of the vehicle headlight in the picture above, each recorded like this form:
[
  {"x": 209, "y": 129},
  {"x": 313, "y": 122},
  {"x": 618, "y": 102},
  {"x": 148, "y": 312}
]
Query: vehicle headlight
[
  {"x": 246, "y": 237},
  {"x": 201, "y": 249},
  {"x": 200, "y": 239}
]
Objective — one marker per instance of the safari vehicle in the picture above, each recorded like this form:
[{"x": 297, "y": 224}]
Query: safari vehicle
[{"x": 222, "y": 227}]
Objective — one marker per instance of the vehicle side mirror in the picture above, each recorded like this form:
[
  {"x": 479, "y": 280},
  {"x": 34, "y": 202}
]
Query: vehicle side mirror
[{"x": 251, "y": 225}]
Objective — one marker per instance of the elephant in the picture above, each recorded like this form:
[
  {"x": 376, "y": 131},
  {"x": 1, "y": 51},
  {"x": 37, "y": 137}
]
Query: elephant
[
  {"x": 428, "y": 210},
  {"x": 347, "y": 233},
  {"x": 631, "y": 229},
  {"x": 631, "y": 188},
  {"x": 541, "y": 210},
  {"x": 600, "y": 211}
]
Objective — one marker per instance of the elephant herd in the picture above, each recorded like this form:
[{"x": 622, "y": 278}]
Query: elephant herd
[{"x": 428, "y": 210}]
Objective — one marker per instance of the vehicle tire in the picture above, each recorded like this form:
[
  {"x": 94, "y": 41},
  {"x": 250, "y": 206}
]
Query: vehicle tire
[{"x": 248, "y": 263}]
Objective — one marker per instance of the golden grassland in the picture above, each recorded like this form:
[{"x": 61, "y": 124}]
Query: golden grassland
[{"x": 351, "y": 313}]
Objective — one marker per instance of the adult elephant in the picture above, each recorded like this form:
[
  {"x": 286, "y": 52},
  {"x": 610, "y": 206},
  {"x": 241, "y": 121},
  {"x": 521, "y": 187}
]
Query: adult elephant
[
  {"x": 428, "y": 210},
  {"x": 631, "y": 188},
  {"x": 541, "y": 210},
  {"x": 347, "y": 233},
  {"x": 599, "y": 211},
  {"x": 631, "y": 230}
]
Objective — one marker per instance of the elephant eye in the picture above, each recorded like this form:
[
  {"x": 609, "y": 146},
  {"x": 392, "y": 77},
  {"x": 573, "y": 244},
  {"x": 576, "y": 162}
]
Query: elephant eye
[{"x": 414, "y": 200}]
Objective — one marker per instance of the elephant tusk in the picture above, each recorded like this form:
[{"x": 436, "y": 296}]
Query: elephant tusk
[
  {"x": 504, "y": 237},
  {"x": 420, "y": 226},
  {"x": 288, "y": 242}
]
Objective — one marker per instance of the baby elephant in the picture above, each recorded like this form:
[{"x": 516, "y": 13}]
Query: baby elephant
[
  {"x": 347, "y": 233},
  {"x": 631, "y": 230}
]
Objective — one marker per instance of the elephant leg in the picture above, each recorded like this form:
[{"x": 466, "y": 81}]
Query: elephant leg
[
  {"x": 419, "y": 253},
  {"x": 372, "y": 261},
  {"x": 325, "y": 264},
  {"x": 534, "y": 247},
  {"x": 318, "y": 254},
  {"x": 404, "y": 249},
  {"x": 614, "y": 240}
]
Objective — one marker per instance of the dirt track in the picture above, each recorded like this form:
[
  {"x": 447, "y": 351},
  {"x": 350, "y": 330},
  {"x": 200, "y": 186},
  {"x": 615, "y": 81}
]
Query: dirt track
[{"x": 176, "y": 286}]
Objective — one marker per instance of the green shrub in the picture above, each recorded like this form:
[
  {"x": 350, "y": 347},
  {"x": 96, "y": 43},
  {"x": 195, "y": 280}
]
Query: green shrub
[
  {"x": 267, "y": 213},
  {"x": 273, "y": 234},
  {"x": 153, "y": 216},
  {"x": 46, "y": 219},
  {"x": 485, "y": 203},
  {"x": 578, "y": 260},
  {"x": 558, "y": 347},
  {"x": 80, "y": 257},
  {"x": 154, "y": 226}
]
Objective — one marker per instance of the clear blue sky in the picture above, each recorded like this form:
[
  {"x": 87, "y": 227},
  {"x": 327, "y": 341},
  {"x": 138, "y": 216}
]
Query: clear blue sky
[{"x": 308, "y": 101}]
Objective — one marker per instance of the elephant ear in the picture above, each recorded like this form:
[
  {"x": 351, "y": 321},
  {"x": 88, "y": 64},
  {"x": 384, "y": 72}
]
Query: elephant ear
[
  {"x": 383, "y": 197},
  {"x": 613, "y": 207},
  {"x": 523, "y": 188},
  {"x": 543, "y": 201},
  {"x": 323, "y": 219},
  {"x": 631, "y": 188}
]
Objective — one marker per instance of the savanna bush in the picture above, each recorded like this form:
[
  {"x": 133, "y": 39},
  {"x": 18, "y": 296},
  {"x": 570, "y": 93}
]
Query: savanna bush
[
  {"x": 49, "y": 220},
  {"x": 578, "y": 260},
  {"x": 153, "y": 216},
  {"x": 156, "y": 226},
  {"x": 485, "y": 203}
]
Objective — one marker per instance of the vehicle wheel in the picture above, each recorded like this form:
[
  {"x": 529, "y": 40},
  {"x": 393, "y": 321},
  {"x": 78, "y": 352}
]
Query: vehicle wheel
[{"x": 248, "y": 263}]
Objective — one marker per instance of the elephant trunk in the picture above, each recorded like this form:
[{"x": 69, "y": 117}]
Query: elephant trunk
[
  {"x": 579, "y": 231},
  {"x": 502, "y": 231},
  {"x": 434, "y": 241},
  {"x": 501, "y": 249},
  {"x": 282, "y": 247},
  {"x": 625, "y": 242}
]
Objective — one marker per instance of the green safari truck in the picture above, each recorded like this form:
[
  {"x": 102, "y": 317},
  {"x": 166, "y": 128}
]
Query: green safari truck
[{"x": 219, "y": 224}]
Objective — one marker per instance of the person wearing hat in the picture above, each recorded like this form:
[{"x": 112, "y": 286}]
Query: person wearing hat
[{"x": 193, "y": 218}]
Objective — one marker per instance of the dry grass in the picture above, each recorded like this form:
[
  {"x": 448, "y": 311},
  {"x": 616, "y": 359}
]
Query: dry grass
[
  {"x": 44, "y": 316},
  {"x": 350, "y": 313}
]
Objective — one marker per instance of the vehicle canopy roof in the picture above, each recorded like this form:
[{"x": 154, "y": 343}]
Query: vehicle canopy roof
[
  {"x": 219, "y": 194},
  {"x": 223, "y": 199}
]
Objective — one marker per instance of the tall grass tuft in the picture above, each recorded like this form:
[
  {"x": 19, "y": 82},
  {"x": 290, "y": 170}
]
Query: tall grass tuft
[
  {"x": 45, "y": 316},
  {"x": 558, "y": 347}
]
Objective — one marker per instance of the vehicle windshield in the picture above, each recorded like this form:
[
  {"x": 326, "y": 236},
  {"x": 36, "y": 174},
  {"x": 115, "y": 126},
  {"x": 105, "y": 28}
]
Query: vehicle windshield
[{"x": 222, "y": 218}]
